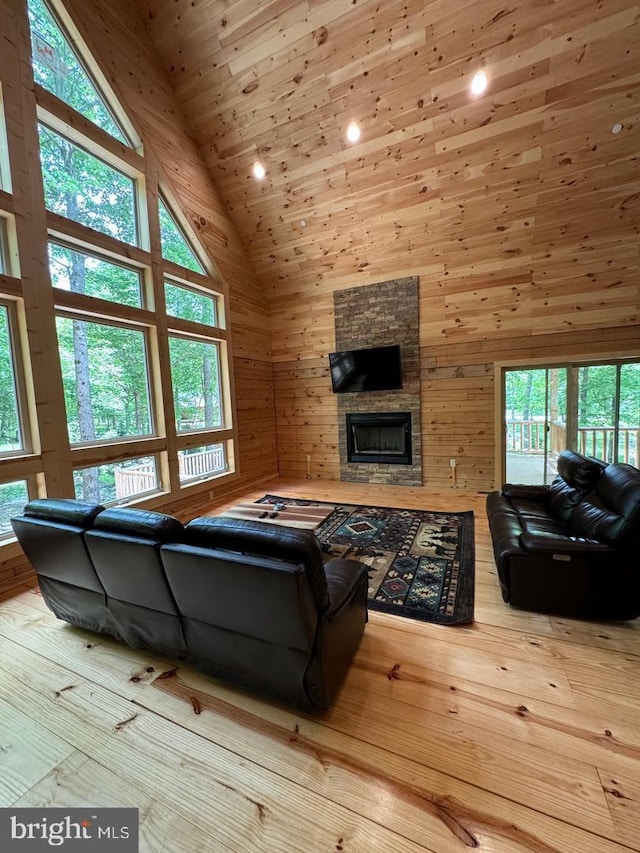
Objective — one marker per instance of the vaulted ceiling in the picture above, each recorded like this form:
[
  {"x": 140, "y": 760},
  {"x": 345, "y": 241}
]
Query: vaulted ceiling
[{"x": 440, "y": 180}]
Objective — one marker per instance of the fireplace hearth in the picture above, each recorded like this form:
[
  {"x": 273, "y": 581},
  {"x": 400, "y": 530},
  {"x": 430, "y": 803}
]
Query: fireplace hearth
[{"x": 379, "y": 437}]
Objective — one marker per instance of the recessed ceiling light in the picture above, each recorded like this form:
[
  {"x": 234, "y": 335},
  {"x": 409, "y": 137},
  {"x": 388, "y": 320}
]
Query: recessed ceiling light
[
  {"x": 617, "y": 127},
  {"x": 259, "y": 170},
  {"x": 479, "y": 83},
  {"x": 353, "y": 132},
  {"x": 303, "y": 223}
]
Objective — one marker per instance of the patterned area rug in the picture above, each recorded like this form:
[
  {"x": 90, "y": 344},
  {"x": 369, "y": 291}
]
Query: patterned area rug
[{"x": 421, "y": 564}]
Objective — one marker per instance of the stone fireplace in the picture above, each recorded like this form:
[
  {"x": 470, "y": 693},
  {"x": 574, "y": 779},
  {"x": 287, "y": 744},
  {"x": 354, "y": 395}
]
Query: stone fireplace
[
  {"x": 380, "y": 437},
  {"x": 377, "y": 315}
]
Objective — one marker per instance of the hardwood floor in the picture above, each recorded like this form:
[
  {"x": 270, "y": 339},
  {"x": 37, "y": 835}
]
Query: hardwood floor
[{"x": 517, "y": 733}]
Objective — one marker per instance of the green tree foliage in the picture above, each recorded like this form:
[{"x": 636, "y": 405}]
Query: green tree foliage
[
  {"x": 83, "y": 188},
  {"x": 597, "y": 395},
  {"x": 101, "y": 278},
  {"x": 195, "y": 379},
  {"x": 175, "y": 246},
  {"x": 9, "y": 423},
  {"x": 526, "y": 394},
  {"x": 528, "y": 398},
  {"x": 190, "y": 305},
  {"x": 116, "y": 374},
  {"x": 3, "y": 237},
  {"x": 13, "y": 497},
  {"x": 58, "y": 68},
  {"x": 630, "y": 394}
]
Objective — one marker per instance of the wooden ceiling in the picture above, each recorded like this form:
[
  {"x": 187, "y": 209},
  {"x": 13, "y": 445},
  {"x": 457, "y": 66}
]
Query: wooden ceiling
[{"x": 440, "y": 181}]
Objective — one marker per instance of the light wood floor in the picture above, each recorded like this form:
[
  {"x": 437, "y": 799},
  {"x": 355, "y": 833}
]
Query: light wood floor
[{"x": 518, "y": 733}]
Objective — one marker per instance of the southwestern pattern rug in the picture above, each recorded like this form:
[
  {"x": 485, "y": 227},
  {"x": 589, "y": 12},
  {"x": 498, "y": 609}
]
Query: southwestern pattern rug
[{"x": 421, "y": 563}]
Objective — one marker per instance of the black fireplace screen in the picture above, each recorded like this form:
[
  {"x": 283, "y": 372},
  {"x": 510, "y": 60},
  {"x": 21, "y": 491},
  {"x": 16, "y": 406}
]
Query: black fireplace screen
[{"x": 380, "y": 437}]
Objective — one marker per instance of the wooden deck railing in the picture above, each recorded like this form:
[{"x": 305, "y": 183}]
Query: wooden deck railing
[
  {"x": 205, "y": 462},
  {"x": 599, "y": 442},
  {"x": 525, "y": 436},
  {"x": 136, "y": 481},
  {"x": 528, "y": 437}
]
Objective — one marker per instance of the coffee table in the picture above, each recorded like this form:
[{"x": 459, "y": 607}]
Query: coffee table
[{"x": 303, "y": 517}]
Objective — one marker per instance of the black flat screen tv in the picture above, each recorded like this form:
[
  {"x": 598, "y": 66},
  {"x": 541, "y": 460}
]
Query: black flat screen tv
[{"x": 373, "y": 369}]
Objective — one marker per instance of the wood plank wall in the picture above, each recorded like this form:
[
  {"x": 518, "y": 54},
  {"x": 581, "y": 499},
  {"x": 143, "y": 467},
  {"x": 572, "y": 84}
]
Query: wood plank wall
[
  {"x": 519, "y": 211},
  {"x": 457, "y": 399}
]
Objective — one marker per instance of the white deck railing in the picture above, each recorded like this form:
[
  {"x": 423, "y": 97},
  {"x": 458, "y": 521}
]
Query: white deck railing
[
  {"x": 135, "y": 481},
  {"x": 529, "y": 436},
  {"x": 208, "y": 461}
]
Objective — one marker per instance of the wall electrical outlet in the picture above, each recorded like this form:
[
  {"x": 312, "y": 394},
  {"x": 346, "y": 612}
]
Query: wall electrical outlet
[{"x": 452, "y": 463}]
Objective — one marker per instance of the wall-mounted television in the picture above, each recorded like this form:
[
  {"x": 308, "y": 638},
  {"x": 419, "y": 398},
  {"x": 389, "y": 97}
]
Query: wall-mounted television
[{"x": 373, "y": 369}]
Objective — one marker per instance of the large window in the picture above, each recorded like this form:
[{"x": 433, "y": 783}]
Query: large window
[
  {"x": 58, "y": 68},
  {"x": 86, "y": 189},
  {"x": 106, "y": 380},
  {"x": 10, "y": 428},
  {"x": 190, "y": 304},
  {"x": 116, "y": 482},
  {"x": 13, "y": 497},
  {"x": 14, "y": 429},
  {"x": 124, "y": 343},
  {"x": 175, "y": 246},
  {"x": 195, "y": 375},
  {"x": 14, "y": 432},
  {"x": 199, "y": 463},
  {"x": 3, "y": 246},
  {"x": 80, "y": 272}
]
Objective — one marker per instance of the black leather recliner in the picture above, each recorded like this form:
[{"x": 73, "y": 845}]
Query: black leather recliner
[
  {"x": 124, "y": 545},
  {"x": 51, "y": 533},
  {"x": 243, "y": 601},
  {"x": 571, "y": 548},
  {"x": 279, "y": 620}
]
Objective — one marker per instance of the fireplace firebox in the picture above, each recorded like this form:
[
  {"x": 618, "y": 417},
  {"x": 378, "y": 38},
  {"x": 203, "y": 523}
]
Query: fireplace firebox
[{"x": 380, "y": 437}]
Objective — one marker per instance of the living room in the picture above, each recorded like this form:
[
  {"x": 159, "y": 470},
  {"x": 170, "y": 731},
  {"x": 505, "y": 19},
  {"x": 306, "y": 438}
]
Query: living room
[{"x": 511, "y": 218}]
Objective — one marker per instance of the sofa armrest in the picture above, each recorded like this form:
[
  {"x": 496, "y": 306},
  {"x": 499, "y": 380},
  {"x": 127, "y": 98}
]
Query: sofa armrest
[
  {"x": 343, "y": 577},
  {"x": 556, "y": 543},
  {"x": 339, "y": 632},
  {"x": 529, "y": 493}
]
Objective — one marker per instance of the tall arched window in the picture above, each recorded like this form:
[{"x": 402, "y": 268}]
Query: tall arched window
[{"x": 138, "y": 307}]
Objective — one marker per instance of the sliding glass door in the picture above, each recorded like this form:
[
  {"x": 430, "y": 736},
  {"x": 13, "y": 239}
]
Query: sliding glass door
[
  {"x": 592, "y": 408},
  {"x": 535, "y": 422}
]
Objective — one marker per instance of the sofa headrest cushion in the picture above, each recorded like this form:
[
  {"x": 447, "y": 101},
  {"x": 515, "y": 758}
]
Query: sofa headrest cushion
[
  {"x": 619, "y": 488},
  {"x": 63, "y": 511},
  {"x": 591, "y": 519},
  {"x": 265, "y": 540},
  {"x": 563, "y": 498},
  {"x": 580, "y": 472},
  {"x": 139, "y": 522},
  {"x": 611, "y": 512}
]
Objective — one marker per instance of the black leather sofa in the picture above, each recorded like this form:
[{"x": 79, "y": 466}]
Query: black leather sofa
[
  {"x": 571, "y": 548},
  {"x": 246, "y": 602}
]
